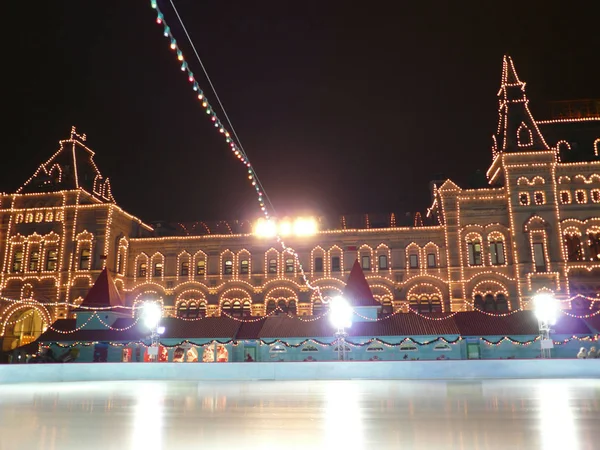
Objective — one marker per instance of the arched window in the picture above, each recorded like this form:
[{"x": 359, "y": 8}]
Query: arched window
[
  {"x": 524, "y": 136},
  {"x": 227, "y": 267},
  {"x": 436, "y": 304},
  {"x": 289, "y": 265},
  {"x": 523, "y": 198},
  {"x": 594, "y": 245},
  {"x": 573, "y": 247},
  {"x": 236, "y": 309},
  {"x": 84, "y": 258},
  {"x": 246, "y": 308},
  {"x": 226, "y": 307},
  {"x": 184, "y": 270},
  {"x": 201, "y": 267},
  {"x": 272, "y": 265},
  {"x": 489, "y": 303},
  {"x": 17, "y": 264},
  {"x": 182, "y": 310},
  {"x": 158, "y": 269},
  {"x": 244, "y": 266},
  {"x": 282, "y": 305},
  {"x": 413, "y": 303},
  {"x": 142, "y": 269},
  {"x": 271, "y": 306},
  {"x": 497, "y": 257},
  {"x": 383, "y": 262},
  {"x": 479, "y": 304},
  {"x": 335, "y": 264},
  {"x": 474, "y": 251},
  {"x": 193, "y": 310},
  {"x": 501, "y": 303},
  {"x": 292, "y": 308},
  {"x": 34, "y": 259},
  {"x": 424, "y": 305}
]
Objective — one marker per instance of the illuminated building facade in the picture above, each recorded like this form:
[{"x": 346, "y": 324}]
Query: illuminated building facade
[{"x": 535, "y": 228}]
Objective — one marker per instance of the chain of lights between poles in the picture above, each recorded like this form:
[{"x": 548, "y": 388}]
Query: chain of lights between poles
[{"x": 235, "y": 148}]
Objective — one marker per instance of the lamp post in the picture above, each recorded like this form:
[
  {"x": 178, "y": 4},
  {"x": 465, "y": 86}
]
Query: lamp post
[
  {"x": 340, "y": 315},
  {"x": 545, "y": 308},
  {"x": 151, "y": 314}
]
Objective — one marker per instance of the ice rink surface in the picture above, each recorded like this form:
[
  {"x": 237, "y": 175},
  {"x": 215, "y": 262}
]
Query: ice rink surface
[{"x": 176, "y": 415}]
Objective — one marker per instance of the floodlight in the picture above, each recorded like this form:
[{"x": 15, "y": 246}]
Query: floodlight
[
  {"x": 305, "y": 227},
  {"x": 160, "y": 330},
  {"x": 545, "y": 307},
  {"x": 340, "y": 313},
  {"x": 151, "y": 314}
]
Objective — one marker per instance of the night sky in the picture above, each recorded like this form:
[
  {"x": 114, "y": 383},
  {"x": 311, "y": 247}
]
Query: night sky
[{"x": 341, "y": 109}]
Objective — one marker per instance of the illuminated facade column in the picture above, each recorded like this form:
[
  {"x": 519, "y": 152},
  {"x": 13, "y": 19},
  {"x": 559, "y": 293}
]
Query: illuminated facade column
[{"x": 448, "y": 197}]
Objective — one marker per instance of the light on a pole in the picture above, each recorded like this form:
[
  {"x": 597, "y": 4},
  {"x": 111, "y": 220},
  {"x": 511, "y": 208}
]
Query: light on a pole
[
  {"x": 151, "y": 314},
  {"x": 545, "y": 307},
  {"x": 340, "y": 313}
]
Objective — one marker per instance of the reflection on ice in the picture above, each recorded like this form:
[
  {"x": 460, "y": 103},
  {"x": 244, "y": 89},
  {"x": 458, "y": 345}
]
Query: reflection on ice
[{"x": 347, "y": 415}]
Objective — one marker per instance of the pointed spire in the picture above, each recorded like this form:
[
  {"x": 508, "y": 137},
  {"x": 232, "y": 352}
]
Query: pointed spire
[
  {"x": 103, "y": 293},
  {"x": 509, "y": 73},
  {"x": 357, "y": 291},
  {"x": 517, "y": 130}
]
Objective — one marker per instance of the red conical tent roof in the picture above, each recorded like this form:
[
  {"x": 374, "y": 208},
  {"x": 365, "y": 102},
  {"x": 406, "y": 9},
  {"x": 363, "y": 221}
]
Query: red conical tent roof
[
  {"x": 103, "y": 293},
  {"x": 357, "y": 290}
]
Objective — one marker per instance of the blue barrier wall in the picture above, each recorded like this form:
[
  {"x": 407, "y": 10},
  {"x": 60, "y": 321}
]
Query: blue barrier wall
[{"x": 379, "y": 370}]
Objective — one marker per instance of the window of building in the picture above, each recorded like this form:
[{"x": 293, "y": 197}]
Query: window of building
[
  {"x": 142, "y": 270},
  {"x": 539, "y": 198},
  {"x": 34, "y": 260},
  {"x": 539, "y": 258},
  {"x": 574, "y": 248},
  {"x": 51, "y": 260},
  {"x": 318, "y": 264},
  {"x": 474, "y": 248},
  {"x": 565, "y": 197},
  {"x": 158, "y": 269},
  {"x": 84, "y": 259},
  {"x": 200, "y": 267},
  {"x": 595, "y": 195},
  {"x": 335, "y": 263},
  {"x": 524, "y": 198},
  {"x": 365, "y": 262},
  {"x": 227, "y": 267},
  {"x": 413, "y": 261},
  {"x": 244, "y": 266},
  {"x": 289, "y": 265},
  {"x": 580, "y": 196},
  {"x": 497, "y": 252},
  {"x": 383, "y": 262},
  {"x": 17, "y": 264},
  {"x": 272, "y": 266},
  {"x": 182, "y": 310},
  {"x": 185, "y": 269},
  {"x": 431, "y": 262},
  {"x": 594, "y": 246}
]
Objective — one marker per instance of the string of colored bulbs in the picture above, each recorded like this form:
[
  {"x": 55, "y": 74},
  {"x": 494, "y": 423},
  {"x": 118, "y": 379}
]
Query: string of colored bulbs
[{"x": 233, "y": 146}]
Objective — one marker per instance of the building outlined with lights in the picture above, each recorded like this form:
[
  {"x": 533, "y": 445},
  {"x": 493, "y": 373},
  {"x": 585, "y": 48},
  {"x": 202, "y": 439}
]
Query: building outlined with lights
[{"x": 535, "y": 228}]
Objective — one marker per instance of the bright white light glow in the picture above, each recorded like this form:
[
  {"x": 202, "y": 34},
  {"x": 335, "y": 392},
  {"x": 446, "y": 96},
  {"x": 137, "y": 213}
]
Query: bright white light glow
[
  {"x": 558, "y": 425},
  {"x": 545, "y": 307},
  {"x": 301, "y": 226},
  {"x": 340, "y": 313},
  {"x": 160, "y": 330},
  {"x": 151, "y": 314},
  {"x": 305, "y": 227}
]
